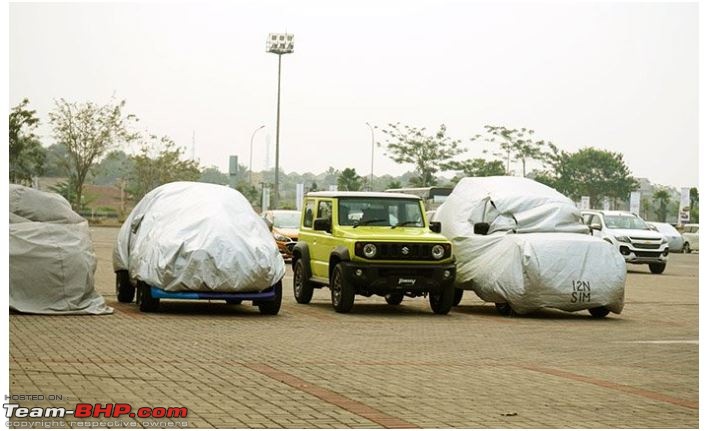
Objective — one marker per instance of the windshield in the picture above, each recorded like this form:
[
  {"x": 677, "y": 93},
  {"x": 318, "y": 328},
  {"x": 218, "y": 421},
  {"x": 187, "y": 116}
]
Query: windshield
[
  {"x": 287, "y": 219},
  {"x": 625, "y": 222},
  {"x": 380, "y": 212}
]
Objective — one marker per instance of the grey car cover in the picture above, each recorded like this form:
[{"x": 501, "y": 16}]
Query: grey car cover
[
  {"x": 52, "y": 260},
  {"x": 187, "y": 236},
  {"x": 537, "y": 252}
]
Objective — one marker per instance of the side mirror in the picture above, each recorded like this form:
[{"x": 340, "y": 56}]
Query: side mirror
[
  {"x": 322, "y": 224},
  {"x": 436, "y": 226},
  {"x": 269, "y": 224},
  {"x": 481, "y": 228},
  {"x": 596, "y": 226}
]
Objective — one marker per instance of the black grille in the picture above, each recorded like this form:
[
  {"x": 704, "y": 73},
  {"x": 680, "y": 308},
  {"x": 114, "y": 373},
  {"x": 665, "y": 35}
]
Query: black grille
[
  {"x": 647, "y": 253},
  {"x": 403, "y": 251},
  {"x": 647, "y": 246}
]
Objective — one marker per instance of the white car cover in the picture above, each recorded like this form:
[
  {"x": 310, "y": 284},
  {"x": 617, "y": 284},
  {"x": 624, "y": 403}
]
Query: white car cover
[
  {"x": 52, "y": 259},
  {"x": 537, "y": 253},
  {"x": 186, "y": 236}
]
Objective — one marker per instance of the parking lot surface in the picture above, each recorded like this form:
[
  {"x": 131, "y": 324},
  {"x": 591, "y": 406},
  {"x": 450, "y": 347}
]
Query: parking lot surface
[{"x": 380, "y": 365}]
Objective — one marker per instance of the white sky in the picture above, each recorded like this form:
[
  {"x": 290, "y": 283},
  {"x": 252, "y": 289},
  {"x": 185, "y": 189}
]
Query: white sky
[{"x": 621, "y": 76}]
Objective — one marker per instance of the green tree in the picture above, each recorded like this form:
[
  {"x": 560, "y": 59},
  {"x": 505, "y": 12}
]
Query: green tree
[
  {"x": 26, "y": 154},
  {"x": 88, "y": 131},
  {"x": 481, "y": 168},
  {"x": 250, "y": 192},
  {"x": 313, "y": 187},
  {"x": 114, "y": 167},
  {"x": 159, "y": 162},
  {"x": 349, "y": 180},
  {"x": 429, "y": 153},
  {"x": 518, "y": 144},
  {"x": 694, "y": 205},
  {"x": 662, "y": 197},
  {"x": 213, "y": 175},
  {"x": 394, "y": 185},
  {"x": 588, "y": 172}
]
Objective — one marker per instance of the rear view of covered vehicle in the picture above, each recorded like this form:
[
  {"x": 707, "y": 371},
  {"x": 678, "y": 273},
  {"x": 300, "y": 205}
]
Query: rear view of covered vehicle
[
  {"x": 523, "y": 246},
  {"x": 197, "y": 241}
]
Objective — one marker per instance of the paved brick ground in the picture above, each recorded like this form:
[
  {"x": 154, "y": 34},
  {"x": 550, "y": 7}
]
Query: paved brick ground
[{"x": 380, "y": 366}]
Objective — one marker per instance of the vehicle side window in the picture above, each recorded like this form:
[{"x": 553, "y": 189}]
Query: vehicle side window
[
  {"x": 587, "y": 219},
  {"x": 324, "y": 210},
  {"x": 309, "y": 213},
  {"x": 596, "y": 219},
  {"x": 695, "y": 229}
]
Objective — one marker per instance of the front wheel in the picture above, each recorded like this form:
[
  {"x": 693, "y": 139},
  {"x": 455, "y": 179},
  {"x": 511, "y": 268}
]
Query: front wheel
[
  {"x": 457, "y": 298},
  {"x": 599, "y": 312},
  {"x": 342, "y": 292},
  {"x": 656, "y": 268},
  {"x": 441, "y": 302},
  {"x": 146, "y": 302},
  {"x": 125, "y": 291},
  {"x": 272, "y": 307},
  {"x": 303, "y": 289},
  {"x": 686, "y": 248},
  {"x": 394, "y": 298}
]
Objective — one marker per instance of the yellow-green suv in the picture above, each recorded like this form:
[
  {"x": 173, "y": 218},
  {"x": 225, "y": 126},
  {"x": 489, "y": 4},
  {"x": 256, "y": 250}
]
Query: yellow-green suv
[{"x": 370, "y": 243}]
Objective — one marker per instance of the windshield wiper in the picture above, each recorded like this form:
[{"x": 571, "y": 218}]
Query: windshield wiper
[
  {"x": 405, "y": 222},
  {"x": 365, "y": 222}
]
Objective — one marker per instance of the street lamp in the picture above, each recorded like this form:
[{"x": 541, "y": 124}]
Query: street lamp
[
  {"x": 372, "y": 150},
  {"x": 252, "y": 139},
  {"x": 278, "y": 43}
]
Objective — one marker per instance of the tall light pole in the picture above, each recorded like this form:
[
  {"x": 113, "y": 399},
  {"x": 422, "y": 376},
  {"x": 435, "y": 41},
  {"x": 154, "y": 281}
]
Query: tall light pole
[
  {"x": 252, "y": 139},
  {"x": 373, "y": 147},
  {"x": 278, "y": 43}
]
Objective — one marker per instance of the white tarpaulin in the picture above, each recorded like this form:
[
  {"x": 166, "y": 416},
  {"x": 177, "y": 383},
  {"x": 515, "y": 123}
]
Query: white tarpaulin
[
  {"x": 187, "y": 236},
  {"x": 52, "y": 260},
  {"x": 537, "y": 252}
]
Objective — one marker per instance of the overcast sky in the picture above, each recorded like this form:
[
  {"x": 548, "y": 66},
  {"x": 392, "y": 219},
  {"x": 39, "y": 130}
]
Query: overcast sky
[{"x": 622, "y": 77}]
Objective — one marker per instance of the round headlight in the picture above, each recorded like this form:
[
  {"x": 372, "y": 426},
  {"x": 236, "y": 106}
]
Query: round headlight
[
  {"x": 369, "y": 250},
  {"x": 438, "y": 251}
]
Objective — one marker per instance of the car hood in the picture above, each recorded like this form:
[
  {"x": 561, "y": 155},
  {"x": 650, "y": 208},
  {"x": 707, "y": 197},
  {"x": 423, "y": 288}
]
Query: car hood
[
  {"x": 399, "y": 234},
  {"x": 637, "y": 233},
  {"x": 292, "y": 233}
]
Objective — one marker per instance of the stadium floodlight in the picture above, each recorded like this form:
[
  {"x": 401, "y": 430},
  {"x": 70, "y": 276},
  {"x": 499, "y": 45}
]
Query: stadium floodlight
[{"x": 279, "y": 43}]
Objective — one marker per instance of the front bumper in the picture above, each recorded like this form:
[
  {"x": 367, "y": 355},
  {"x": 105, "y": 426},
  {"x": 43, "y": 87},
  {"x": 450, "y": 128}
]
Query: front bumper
[
  {"x": 633, "y": 255},
  {"x": 382, "y": 279}
]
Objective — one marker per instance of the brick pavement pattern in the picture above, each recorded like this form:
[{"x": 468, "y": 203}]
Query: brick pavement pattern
[{"x": 379, "y": 366}]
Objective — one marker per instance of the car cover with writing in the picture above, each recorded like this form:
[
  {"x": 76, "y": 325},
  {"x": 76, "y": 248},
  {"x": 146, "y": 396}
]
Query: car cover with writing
[
  {"x": 52, "y": 259},
  {"x": 537, "y": 252},
  {"x": 186, "y": 236}
]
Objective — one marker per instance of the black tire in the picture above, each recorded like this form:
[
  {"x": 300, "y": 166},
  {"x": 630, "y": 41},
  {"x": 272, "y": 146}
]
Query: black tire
[
  {"x": 457, "y": 298},
  {"x": 599, "y": 312},
  {"x": 686, "y": 248},
  {"x": 394, "y": 298},
  {"x": 272, "y": 307},
  {"x": 441, "y": 302},
  {"x": 234, "y": 301},
  {"x": 146, "y": 302},
  {"x": 125, "y": 291},
  {"x": 656, "y": 268},
  {"x": 504, "y": 309},
  {"x": 342, "y": 292},
  {"x": 303, "y": 289}
]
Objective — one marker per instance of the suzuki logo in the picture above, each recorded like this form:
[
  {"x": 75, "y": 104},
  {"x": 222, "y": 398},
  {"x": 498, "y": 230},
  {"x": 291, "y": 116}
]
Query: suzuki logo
[{"x": 405, "y": 250}]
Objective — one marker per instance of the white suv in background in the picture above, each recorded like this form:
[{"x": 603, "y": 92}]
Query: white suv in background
[
  {"x": 691, "y": 238},
  {"x": 631, "y": 236}
]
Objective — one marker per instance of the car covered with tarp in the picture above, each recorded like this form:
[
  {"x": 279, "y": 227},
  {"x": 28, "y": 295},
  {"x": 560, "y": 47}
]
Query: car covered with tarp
[
  {"x": 187, "y": 240},
  {"x": 523, "y": 246},
  {"x": 52, "y": 260}
]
